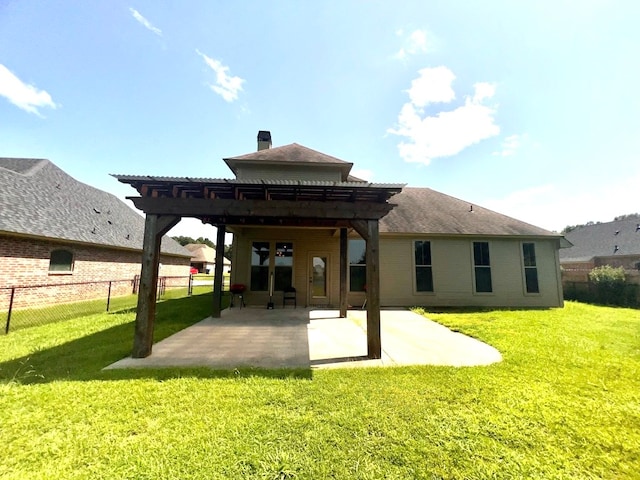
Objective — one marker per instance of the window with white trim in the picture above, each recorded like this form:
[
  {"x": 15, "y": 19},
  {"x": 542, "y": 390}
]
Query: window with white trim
[
  {"x": 423, "y": 271},
  {"x": 482, "y": 267},
  {"x": 357, "y": 265},
  {"x": 530, "y": 268}
]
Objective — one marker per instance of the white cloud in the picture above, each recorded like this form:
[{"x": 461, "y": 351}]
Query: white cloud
[
  {"x": 446, "y": 133},
  {"x": 417, "y": 42},
  {"x": 510, "y": 144},
  {"x": 432, "y": 86},
  {"x": 144, "y": 22},
  {"x": 362, "y": 173},
  {"x": 555, "y": 206},
  {"x": 226, "y": 86},
  {"x": 22, "y": 95}
]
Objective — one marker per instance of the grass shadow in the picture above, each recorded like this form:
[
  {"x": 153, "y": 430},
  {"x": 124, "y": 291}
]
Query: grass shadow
[{"x": 83, "y": 358}]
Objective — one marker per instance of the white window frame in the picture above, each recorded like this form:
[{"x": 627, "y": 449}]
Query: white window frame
[
  {"x": 474, "y": 266},
  {"x": 525, "y": 267},
  {"x": 415, "y": 268}
]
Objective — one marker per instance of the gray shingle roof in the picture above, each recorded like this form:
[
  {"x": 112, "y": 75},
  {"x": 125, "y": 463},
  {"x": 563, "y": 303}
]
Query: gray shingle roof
[
  {"x": 425, "y": 211},
  {"x": 601, "y": 240},
  {"x": 39, "y": 199}
]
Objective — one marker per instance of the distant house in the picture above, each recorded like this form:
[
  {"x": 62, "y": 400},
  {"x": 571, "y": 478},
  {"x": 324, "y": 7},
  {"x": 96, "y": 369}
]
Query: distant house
[
  {"x": 203, "y": 257},
  {"x": 614, "y": 243},
  {"x": 55, "y": 229}
]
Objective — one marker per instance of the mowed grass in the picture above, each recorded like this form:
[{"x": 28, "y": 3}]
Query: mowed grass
[{"x": 564, "y": 403}]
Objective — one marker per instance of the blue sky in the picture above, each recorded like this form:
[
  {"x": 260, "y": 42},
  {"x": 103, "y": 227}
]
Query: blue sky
[{"x": 529, "y": 108}]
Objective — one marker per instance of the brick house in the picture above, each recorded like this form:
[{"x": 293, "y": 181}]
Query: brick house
[
  {"x": 614, "y": 243},
  {"x": 57, "y": 230}
]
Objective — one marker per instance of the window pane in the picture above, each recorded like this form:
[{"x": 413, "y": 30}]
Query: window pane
[
  {"x": 529, "y": 254},
  {"x": 284, "y": 254},
  {"x": 422, "y": 253},
  {"x": 260, "y": 279},
  {"x": 357, "y": 252},
  {"x": 424, "y": 279},
  {"x": 260, "y": 254},
  {"x": 531, "y": 276},
  {"x": 483, "y": 279},
  {"x": 283, "y": 278},
  {"x": 61, "y": 261},
  {"x": 357, "y": 278},
  {"x": 481, "y": 253},
  {"x": 283, "y": 270}
]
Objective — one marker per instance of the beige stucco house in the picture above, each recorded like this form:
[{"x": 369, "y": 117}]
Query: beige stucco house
[{"x": 435, "y": 250}]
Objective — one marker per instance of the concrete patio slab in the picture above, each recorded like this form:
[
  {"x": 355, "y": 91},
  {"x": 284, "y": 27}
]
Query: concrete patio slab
[{"x": 312, "y": 338}]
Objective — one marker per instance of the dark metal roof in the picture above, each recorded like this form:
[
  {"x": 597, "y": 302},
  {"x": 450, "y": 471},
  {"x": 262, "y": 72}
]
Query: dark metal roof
[
  {"x": 621, "y": 237},
  {"x": 39, "y": 199}
]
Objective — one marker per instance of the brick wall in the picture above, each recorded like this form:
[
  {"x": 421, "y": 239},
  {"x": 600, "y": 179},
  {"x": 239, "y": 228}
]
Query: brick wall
[{"x": 25, "y": 262}]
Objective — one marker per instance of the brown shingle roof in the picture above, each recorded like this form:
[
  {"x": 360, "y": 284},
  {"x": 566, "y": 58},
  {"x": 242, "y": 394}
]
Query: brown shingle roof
[
  {"x": 425, "y": 211},
  {"x": 293, "y": 153}
]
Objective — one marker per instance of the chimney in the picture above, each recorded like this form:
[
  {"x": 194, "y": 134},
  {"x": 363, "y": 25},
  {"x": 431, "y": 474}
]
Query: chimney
[{"x": 264, "y": 140}]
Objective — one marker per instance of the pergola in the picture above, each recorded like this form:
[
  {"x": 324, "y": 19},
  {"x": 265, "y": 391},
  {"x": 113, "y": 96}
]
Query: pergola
[{"x": 222, "y": 203}]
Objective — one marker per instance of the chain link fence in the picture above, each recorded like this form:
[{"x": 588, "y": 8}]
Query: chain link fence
[{"x": 35, "y": 305}]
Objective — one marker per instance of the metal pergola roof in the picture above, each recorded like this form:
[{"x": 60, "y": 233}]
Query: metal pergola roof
[{"x": 232, "y": 189}]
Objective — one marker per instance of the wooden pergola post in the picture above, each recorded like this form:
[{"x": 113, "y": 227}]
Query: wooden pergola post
[
  {"x": 155, "y": 226},
  {"x": 343, "y": 272},
  {"x": 218, "y": 272},
  {"x": 374, "y": 343},
  {"x": 369, "y": 231}
]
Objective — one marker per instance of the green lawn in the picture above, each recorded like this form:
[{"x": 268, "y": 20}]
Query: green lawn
[{"x": 564, "y": 403}]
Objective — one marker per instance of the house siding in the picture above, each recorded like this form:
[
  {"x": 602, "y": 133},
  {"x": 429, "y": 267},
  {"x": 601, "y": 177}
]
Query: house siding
[
  {"x": 25, "y": 262},
  {"x": 305, "y": 242},
  {"x": 452, "y": 270},
  {"x": 292, "y": 172},
  {"x": 452, "y": 267}
]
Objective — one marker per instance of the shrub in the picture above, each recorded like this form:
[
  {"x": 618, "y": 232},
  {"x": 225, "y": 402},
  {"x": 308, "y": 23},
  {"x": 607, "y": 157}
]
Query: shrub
[{"x": 610, "y": 284}]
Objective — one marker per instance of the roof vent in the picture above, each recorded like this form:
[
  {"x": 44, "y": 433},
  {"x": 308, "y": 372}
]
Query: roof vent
[
  {"x": 615, "y": 248},
  {"x": 264, "y": 140},
  {"x": 638, "y": 227}
]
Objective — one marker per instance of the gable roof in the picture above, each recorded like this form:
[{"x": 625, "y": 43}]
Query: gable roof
[
  {"x": 40, "y": 200},
  {"x": 601, "y": 240},
  {"x": 292, "y": 154},
  {"x": 426, "y": 211}
]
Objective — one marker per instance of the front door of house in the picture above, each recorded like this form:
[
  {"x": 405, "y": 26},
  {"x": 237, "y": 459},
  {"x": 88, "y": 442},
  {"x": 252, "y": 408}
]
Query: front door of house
[{"x": 318, "y": 279}]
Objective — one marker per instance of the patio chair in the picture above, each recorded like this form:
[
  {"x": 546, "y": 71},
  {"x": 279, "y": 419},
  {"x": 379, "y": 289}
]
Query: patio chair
[{"x": 290, "y": 295}]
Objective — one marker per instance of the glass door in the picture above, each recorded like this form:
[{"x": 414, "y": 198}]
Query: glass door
[{"x": 319, "y": 279}]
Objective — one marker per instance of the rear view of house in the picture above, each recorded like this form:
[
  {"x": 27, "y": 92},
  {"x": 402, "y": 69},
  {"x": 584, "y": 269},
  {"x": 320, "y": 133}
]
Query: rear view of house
[{"x": 435, "y": 250}]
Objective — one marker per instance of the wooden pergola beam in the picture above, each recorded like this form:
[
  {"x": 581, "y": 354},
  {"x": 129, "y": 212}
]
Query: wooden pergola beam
[{"x": 202, "y": 207}]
